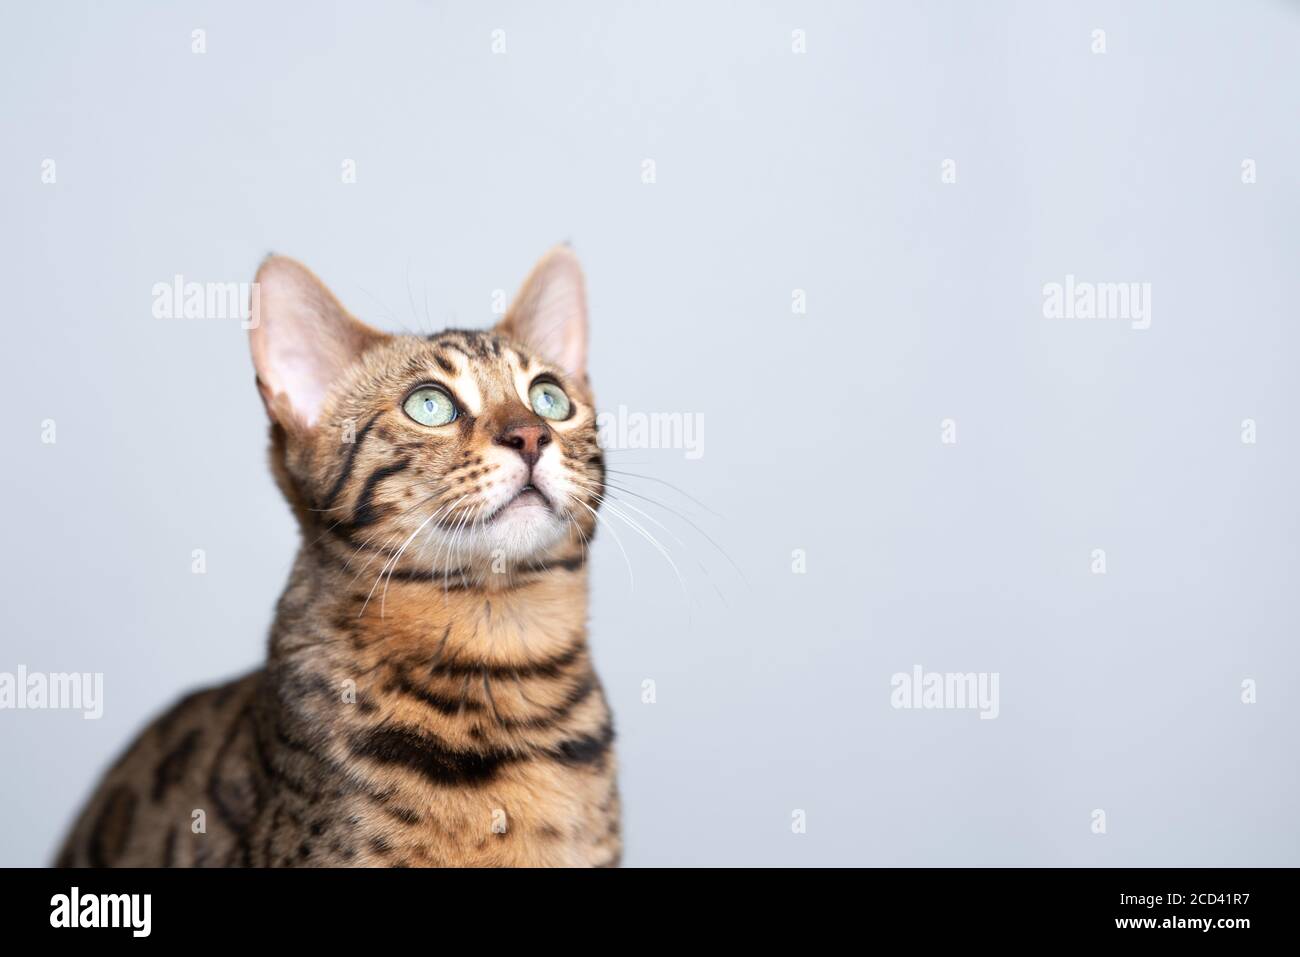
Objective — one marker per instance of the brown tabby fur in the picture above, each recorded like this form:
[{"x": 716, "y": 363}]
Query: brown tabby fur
[{"x": 411, "y": 712}]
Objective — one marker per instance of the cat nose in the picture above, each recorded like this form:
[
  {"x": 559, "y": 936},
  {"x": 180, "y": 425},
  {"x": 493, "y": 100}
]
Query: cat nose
[{"x": 527, "y": 440}]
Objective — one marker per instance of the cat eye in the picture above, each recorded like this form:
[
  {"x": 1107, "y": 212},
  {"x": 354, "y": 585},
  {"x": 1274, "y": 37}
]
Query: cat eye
[
  {"x": 429, "y": 405},
  {"x": 549, "y": 401}
]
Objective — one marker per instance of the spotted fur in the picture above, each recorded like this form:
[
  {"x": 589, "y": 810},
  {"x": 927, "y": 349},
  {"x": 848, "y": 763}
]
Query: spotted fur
[{"x": 429, "y": 696}]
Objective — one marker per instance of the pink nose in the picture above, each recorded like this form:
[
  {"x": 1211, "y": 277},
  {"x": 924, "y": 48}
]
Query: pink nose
[{"x": 527, "y": 440}]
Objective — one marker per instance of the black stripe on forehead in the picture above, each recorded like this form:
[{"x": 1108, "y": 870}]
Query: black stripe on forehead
[
  {"x": 455, "y": 345},
  {"x": 454, "y": 340},
  {"x": 472, "y": 343}
]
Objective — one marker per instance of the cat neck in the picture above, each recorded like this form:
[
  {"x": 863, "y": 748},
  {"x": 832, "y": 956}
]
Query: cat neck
[{"x": 511, "y": 619}]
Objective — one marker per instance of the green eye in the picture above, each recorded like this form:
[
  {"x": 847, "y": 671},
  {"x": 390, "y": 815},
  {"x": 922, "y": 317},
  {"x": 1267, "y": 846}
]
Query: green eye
[
  {"x": 549, "y": 400},
  {"x": 430, "y": 406}
]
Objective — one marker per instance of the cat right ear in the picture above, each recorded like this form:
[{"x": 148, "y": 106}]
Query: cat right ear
[
  {"x": 302, "y": 340},
  {"x": 549, "y": 315}
]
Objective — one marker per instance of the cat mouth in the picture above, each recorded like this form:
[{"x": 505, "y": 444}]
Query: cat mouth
[{"x": 529, "y": 496}]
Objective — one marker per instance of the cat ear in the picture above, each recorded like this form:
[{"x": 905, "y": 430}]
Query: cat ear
[
  {"x": 302, "y": 340},
  {"x": 549, "y": 316}
]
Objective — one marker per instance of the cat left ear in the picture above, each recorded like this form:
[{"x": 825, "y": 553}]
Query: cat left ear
[
  {"x": 302, "y": 340},
  {"x": 549, "y": 316}
]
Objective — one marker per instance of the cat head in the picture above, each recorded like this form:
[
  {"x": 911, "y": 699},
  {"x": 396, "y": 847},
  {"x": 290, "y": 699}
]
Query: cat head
[{"x": 464, "y": 453}]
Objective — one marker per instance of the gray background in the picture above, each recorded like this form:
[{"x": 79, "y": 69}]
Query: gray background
[{"x": 776, "y": 171}]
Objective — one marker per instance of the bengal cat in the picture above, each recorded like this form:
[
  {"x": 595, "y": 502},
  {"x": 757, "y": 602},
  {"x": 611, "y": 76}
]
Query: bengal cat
[{"x": 428, "y": 697}]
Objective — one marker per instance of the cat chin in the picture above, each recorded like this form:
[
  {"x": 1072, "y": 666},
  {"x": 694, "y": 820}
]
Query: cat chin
[
  {"x": 517, "y": 534},
  {"x": 521, "y": 533}
]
